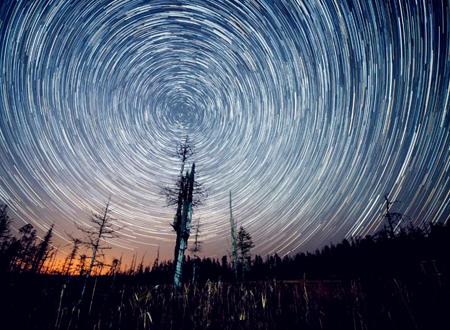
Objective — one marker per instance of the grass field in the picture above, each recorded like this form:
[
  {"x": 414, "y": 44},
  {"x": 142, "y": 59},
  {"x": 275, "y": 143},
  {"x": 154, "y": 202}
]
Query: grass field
[{"x": 52, "y": 302}]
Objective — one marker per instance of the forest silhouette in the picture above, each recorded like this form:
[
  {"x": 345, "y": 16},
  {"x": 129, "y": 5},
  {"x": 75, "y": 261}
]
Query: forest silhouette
[{"x": 391, "y": 280}]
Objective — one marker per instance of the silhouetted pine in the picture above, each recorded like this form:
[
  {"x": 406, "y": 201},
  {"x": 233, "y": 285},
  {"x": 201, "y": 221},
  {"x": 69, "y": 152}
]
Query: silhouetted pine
[
  {"x": 412, "y": 253},
  {"x": 70, "y": 259},
  {"x": 244, "y": 245},
  {"x": 26, "y": 248},
  {"x": 5, "y": 221},
  {"x": 42, "y": 251}
]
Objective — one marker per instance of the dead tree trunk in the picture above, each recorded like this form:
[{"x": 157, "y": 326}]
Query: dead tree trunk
[
  {"x": 184, "y": 226},
  {"x": 186, "y": 195},
  {"x": 196, "y": 249},
  {"x": 234, "y": 257}
]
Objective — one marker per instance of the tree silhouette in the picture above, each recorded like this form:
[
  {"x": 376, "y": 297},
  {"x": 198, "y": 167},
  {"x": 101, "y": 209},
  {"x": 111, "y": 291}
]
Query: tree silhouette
[
  {"x": 196, "y": 248},
  {"x": 186, "y": 195},
  {"x": 393, "y": 218},
  {"x": 27, "y": 247},
  {"x": 5, "y": 222},
  {"x": 102, "y": 228},
  {"x": 5, "y": 238},
  {"x": 245, "y": 244},
  {"x": 234, "y": 256},
  {"x": 114, "y": 268},
  {"x": 81, "y": 266},
  {"x": 156, "y": 262},
  {"x": 68, "y": 263},
  {"x": 42, "y": 251}
]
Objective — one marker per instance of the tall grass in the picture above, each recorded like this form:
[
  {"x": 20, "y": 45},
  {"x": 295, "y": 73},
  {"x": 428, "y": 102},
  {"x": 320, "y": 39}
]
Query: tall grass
[{"x": 52, "y": 303}]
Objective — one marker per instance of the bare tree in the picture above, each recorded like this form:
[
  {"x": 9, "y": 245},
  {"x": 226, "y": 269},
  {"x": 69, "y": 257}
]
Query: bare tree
[
  {"x": 186, "y": 194},
  {"x": 234, "y": 257},
  {"x": 393, "y": 218},
  {"x": 68, "y": 263},
  {"x": 184, "y": 151},
  {"x": 102, "y": 229},
  {"x": 196, "y": 248}
]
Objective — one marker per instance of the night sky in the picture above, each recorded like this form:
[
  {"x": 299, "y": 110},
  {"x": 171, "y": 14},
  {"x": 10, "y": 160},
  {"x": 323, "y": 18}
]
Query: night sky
[{"x": 308, "y": 111}]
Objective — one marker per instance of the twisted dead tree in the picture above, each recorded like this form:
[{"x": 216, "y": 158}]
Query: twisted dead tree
[{"x": 186, "y": 195}]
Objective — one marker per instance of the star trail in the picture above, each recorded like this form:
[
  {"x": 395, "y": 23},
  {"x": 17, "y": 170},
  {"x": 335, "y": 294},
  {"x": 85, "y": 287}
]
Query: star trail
[{"x": 308, "y": 111}]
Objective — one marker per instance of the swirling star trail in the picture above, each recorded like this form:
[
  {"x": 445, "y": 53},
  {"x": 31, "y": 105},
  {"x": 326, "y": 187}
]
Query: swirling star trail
[{"x": 308, "y": 111}]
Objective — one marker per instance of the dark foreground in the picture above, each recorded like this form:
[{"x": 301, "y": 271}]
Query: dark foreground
[{"x": 49, "y": 302}]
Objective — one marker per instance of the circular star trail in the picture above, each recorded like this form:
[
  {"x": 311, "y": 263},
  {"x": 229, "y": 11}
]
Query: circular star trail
[{"x": 309, "y": 112}]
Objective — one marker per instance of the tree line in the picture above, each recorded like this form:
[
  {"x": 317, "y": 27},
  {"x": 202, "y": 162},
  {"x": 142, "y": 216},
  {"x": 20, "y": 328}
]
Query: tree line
[
  {"x": 411, "y": 252},
  {"x": 26, "y": 253},
  {"x": 395, "y": 250}
]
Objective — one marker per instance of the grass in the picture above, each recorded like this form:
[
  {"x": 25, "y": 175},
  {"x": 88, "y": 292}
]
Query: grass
[{"x": 49, "y": 302}]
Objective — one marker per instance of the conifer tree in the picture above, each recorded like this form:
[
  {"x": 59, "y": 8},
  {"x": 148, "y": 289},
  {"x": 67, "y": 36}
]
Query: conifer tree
[
  {"x": 5, "y": 222},
  {"x": 26, "y": 247},
  {"x": 71, "y": 257},
  {"x": 245, "y": 244},
  {"x": 42, "y": 251}
]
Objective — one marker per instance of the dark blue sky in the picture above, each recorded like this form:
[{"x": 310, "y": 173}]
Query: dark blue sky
[{"x": 308, "y": 111}]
